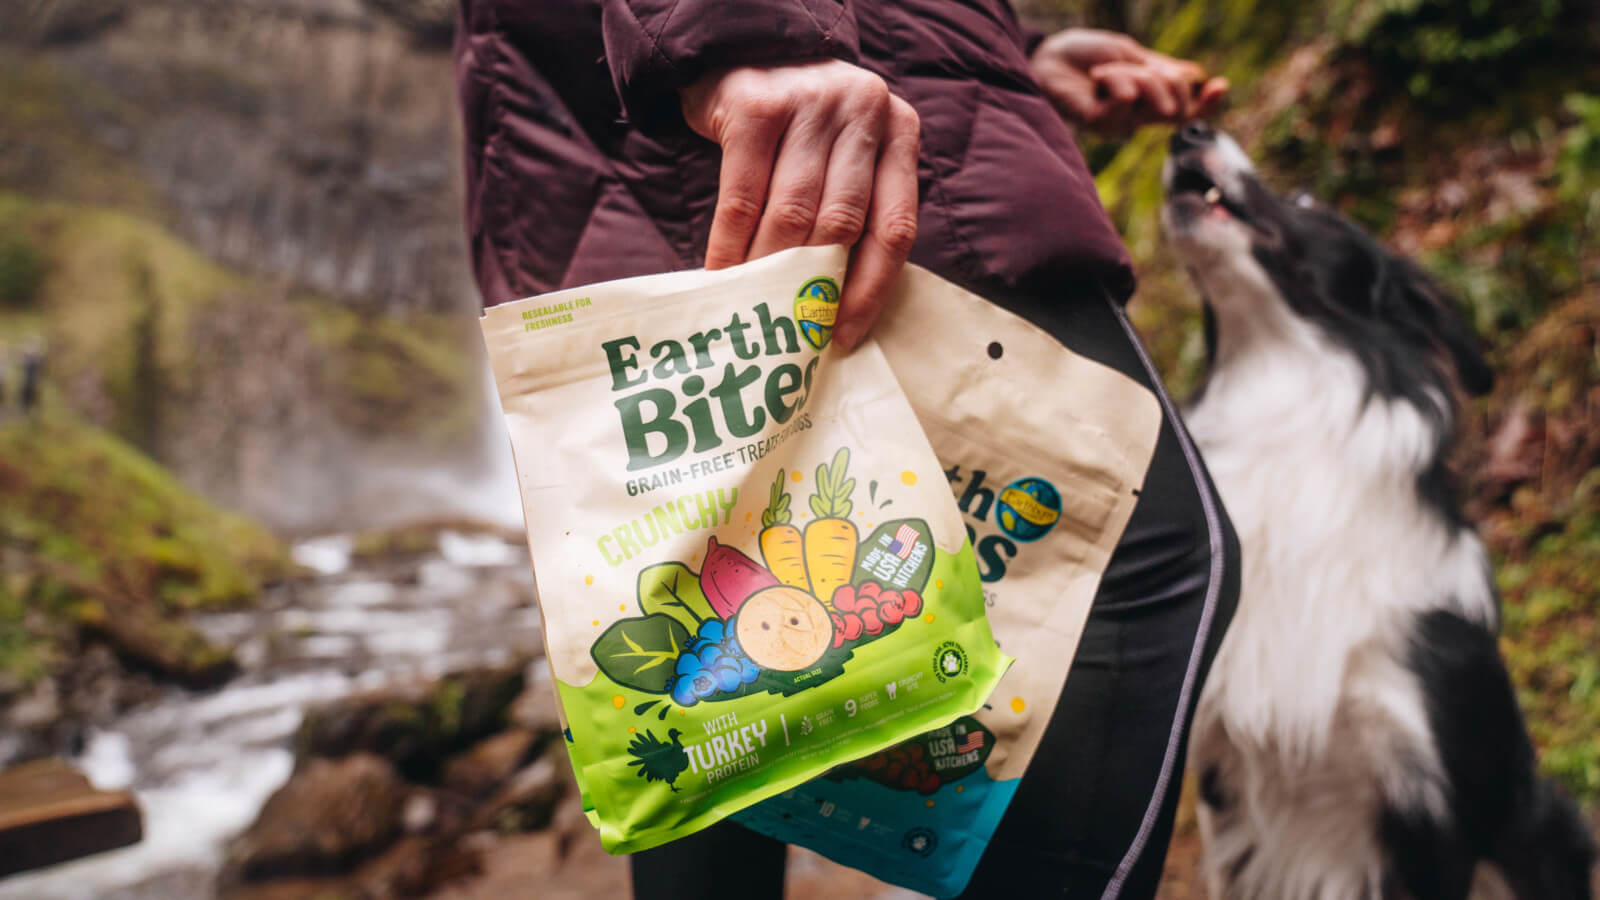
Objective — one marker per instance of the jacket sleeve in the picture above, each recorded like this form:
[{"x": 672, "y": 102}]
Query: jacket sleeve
[{"x": 656, "y": 47}]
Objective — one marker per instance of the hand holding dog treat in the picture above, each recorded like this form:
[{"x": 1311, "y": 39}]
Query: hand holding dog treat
[{"x": 1112, "y": 84}]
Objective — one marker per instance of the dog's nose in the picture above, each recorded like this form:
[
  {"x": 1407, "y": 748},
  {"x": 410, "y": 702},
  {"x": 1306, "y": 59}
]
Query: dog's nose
[{"x": 1191, "y": 135}]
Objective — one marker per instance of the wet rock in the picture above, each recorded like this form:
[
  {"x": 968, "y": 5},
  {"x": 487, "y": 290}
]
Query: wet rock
[
  {"x": 294, "y": 889},
  {"x": 420, "y": 812},
  {"x": 478, "y": 771},
  {"x": 528, "y": 802},
  {"x": 416, "y": 728},
  {"x": 146, "y": 641},
  {"x": 404, "y": 870},
  {"x": 35, "y": 707},
  {"x": 328, "y": 817}
]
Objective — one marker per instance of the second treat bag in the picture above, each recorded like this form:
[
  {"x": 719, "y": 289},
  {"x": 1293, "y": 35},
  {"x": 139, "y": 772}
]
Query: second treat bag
[{"x": 1044, "y": 451}]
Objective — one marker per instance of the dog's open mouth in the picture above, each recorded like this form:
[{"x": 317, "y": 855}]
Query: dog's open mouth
[
  {"x": 1193, "y": 191},
  {"x": 1193, "y": 180}
]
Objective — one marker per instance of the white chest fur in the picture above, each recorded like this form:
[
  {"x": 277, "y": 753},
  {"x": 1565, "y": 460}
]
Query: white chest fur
[{"x": 1339, "y": 551}]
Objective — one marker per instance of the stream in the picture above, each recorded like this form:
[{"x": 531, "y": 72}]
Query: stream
[{"x": 203, "y": 763}]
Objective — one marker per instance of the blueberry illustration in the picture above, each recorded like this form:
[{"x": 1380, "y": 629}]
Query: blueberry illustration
[
  {"x": 688, "y": 664},
  {"x": 727, "y": 677},
  {"x": 703, "y": 685},
  {"x": 683, "y": 693}
]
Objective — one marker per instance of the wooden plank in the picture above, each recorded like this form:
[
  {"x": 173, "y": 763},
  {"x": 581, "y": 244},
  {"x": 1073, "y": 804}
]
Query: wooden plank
[{"x": 50, "y": 813}]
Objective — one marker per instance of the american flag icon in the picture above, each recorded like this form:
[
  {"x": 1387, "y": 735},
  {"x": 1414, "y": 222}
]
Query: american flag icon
[
  {"x": 905, "y": 538},
  {"x": 973, "y": 741}
]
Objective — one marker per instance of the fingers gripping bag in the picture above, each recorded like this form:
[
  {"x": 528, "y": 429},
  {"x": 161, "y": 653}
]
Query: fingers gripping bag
[
  {"x": 1044, "y": 451},
  {"x": 707, "y": 487}
]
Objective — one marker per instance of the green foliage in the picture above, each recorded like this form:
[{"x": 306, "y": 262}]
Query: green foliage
[
  {"x": 1453, "y": 52},
  {"x": 1551, "y": 629},
  {"x": 1578, "y": 163},
  {"x": 22, "y": 266}
]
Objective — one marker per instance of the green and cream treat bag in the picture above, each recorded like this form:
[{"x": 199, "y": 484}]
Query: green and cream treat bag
[
  {"x": 1044, "y": 451},
  {"x": 704, "y": 483}
]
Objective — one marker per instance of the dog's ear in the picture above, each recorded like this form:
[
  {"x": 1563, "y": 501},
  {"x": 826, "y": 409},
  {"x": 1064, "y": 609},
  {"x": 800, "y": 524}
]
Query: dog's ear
[{"x": 1434, "y": 317}]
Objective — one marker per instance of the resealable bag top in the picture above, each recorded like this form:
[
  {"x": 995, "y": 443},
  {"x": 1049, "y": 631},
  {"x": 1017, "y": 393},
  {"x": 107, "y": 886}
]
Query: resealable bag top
[
  {"x": 709, "y": 491},
  {"x": 1045, "y": 451}
]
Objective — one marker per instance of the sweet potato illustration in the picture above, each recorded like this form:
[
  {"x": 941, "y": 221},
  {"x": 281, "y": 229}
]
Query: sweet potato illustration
[{"x": 729, "y": 577}]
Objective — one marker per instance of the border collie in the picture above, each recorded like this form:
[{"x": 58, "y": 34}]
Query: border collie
[{"x": 1359, "y": 736}]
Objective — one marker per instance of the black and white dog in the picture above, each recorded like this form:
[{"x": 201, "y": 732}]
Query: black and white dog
[{"x": 1359, "y": 736}]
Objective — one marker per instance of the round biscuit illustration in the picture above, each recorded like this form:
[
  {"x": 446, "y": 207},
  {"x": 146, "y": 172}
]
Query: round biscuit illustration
[{"x": 783, "y": 628}]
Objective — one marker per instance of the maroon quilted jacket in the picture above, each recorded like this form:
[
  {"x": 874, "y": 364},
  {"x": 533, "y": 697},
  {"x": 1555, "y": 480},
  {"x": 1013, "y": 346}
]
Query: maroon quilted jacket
[{"x": 580, "y": 167}]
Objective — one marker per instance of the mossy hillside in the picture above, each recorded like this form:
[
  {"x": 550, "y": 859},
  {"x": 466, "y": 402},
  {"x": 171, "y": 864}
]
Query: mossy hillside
[
  {"x": 1551, "y": 590},
  {"x": 120, "y": 298},
  {"x": 98, "y": 539},
  {"x": 86, "y": 257},
  {"x": 1538, "y": 502},
  {"x": 387, "y": 376}
]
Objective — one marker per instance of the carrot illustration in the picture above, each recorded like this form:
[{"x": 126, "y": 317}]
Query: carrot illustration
[
  {"x": 830, "y": 540},
  {"x": 781, "y": 546}
]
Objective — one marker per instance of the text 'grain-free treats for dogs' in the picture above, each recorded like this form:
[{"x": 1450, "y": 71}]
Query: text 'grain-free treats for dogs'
[
  {"x": 1045, "y": 451},
  {"x": 749, "y": 563}
]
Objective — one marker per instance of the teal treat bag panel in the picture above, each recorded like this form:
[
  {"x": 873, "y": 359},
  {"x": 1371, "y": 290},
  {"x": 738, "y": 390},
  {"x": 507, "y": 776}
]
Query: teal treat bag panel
[{"x": 918, "y": 815}]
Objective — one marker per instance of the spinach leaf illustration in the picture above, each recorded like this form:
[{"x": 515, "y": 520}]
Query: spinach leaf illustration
[
  {"x": 671, "y": 589},
  {"x": 641, "y": 653}
]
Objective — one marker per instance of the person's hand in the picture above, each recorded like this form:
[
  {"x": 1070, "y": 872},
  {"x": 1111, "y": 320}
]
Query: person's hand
[
  {"x": 814, "y": 153},
  {"x": 1108, "y": 82}
]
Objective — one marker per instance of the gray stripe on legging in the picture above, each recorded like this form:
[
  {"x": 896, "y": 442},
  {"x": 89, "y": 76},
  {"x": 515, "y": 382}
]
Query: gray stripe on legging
[{"x": 1213, "y": 587}]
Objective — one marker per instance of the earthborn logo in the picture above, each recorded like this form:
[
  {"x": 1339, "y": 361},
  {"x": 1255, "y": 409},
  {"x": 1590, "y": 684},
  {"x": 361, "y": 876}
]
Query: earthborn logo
[
  {"x": 1028, "y": 508},
  {"x": 949, "y": 661},
  {"x": 815, "y": 307},
  {"x": 1025, "y": 510}
]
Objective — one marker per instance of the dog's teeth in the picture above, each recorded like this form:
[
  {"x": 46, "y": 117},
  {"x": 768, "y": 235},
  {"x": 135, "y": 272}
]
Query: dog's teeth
[{"x": 1213, "y": 194}]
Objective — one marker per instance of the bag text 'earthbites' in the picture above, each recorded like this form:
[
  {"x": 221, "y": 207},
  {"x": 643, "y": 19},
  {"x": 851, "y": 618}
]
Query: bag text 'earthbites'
[
  {"x": 710, "y": 492},
  {"x": 1044, "y": 451}
]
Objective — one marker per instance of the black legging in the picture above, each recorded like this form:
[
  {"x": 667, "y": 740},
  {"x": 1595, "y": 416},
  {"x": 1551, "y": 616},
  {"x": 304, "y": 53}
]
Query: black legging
[{"x": 1094, "y": 813}]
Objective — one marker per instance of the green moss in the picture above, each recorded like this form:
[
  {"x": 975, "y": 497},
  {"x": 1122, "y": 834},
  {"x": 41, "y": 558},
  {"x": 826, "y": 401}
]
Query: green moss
[
  {"x": 22, "y": 266},
  {"x": 446, "y": 706},
  {"x": 121, "y": 297},
  {"x": 117, "y": 304},
  {"x": 390, "y": 376},
  {"x": 97, "y": 536},
  {"x": 1551, "y": 632},
  {"x": 410, "y": 540}
]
